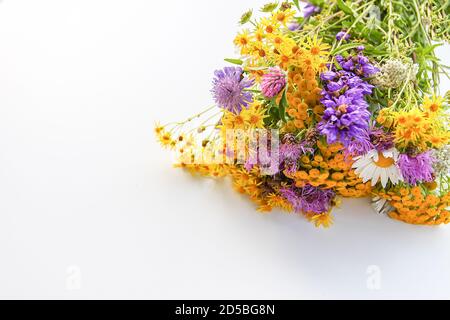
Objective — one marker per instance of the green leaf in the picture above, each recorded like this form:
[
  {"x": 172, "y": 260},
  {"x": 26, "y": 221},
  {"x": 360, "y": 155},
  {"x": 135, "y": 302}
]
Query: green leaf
[
  {"x": 246, "y": 17},
  {"x": 378, "y": 50},
  {"x": 296, "y": 4},
  {"x": 283, "y": 106},
  {"x": 235, "y": 61},
  {"x": 274, "y": 115},
  {"x": 345, "y": 47},
  {"x": 341, "y": 4},
  {"x": 269, "y": 7},
  {"x": 317, "y": 3}
]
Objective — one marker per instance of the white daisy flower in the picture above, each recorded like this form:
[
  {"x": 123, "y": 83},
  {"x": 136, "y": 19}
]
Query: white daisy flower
[
  {"x": 378, "y": 166},
  {"x": 381, "y": 205}
]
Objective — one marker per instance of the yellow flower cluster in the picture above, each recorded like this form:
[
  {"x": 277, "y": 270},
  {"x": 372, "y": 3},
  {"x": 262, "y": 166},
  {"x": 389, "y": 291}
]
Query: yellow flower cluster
[
  {"x": 321, "y": 220},
  {"x": 249, "y": 183},
  {"x": 329, "y": 169},
  {"x": 417, "y": 205},
  {"x": 269, "y": 44},
  {"x": 165, "y": 137},
  {"x": 205, "y": 170},
  {"x": 422, "y": 128},
  {"x": 251, "y": 118}
]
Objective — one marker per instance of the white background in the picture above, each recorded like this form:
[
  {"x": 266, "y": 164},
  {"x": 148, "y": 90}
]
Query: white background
[{"x": 90, "y": 206}]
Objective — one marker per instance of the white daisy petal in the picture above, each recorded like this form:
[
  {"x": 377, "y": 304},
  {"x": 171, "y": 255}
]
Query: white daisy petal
[
  {"x": 394, "y": 175},
  {"x": 384, "y": 178},
  {"x": 376, "y": 157},
  {"x": 362, "y": 162},
  {"x": 368, "y": 172},
  {"x": 357, "y": 164},
  {"x": 376, "y": 176}
]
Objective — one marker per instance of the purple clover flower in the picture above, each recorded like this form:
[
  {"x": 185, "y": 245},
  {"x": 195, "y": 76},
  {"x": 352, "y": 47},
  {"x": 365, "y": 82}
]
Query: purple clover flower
[
  {"x": 309, "y": 199},
  {"x": 417, "y": 168},
  {"x": 229, "y": 87},
  {"x": 273, "y": 82}
]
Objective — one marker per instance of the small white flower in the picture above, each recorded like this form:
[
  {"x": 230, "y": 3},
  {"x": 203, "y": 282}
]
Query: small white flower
[
  {"x": 394, "y": 72},
  {"x": 378, "y": 166},
  {"x": 442, "y": 165}
]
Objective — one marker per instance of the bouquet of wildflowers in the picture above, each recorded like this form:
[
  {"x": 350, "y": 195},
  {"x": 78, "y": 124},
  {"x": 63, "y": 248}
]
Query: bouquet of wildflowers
[{"x": 330, "y": 99}]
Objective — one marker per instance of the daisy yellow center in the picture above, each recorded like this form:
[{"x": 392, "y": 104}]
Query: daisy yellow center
[{"x": 384, "y": 162}]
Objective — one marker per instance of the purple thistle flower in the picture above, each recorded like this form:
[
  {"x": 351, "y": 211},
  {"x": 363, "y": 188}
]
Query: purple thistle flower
[
  {"x": 417, "y": 168},
  {"x": 309, "y": 199},
  {"x": 290, "y": 151},
  {"x": 273, "y": 83},
  {"x": 310, "y": 10},
  {"x": 229, "y": 87},
  {"x": 342, "y": 35}
]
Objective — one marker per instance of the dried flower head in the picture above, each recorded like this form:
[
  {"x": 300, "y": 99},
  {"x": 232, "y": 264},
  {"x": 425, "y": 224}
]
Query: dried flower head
[
  {"x": 442, "y": 164},
  {"x": 394, "y": 72}
]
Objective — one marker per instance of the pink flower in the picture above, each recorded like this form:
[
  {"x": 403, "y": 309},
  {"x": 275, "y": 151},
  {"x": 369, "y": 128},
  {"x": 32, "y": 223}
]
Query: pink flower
[{"x": 273, "y": 83}]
